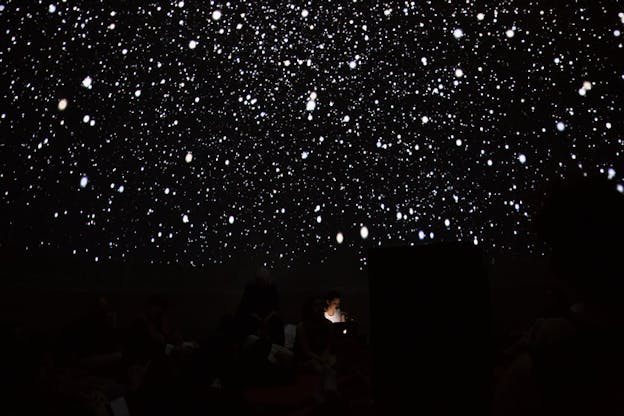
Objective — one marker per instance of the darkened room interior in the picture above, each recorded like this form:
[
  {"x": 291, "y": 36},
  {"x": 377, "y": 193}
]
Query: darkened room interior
[{"x": 303, "y": 207}]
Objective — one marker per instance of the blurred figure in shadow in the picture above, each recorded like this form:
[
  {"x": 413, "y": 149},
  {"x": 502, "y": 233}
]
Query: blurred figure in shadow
[
  {"x": 258, "y": 311},
  {"x": 574, "y": 364},
  {"x": 313, "y": 348}
]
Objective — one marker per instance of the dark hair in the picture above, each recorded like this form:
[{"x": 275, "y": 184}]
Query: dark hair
[
  {"x": 157, "y": 301},
  {"x": 582, "y": 220},
  {"x": 331, "y": 295}
]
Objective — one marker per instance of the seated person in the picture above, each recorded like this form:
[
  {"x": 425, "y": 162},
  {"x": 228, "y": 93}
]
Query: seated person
[
  {"x": 332, "y": 308},
  {"x": 314, "y": 338}
]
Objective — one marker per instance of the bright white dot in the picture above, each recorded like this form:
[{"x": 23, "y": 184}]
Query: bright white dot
[
  {"x": 180, "y": 4},
  {"x": 364, "y": 232},
  {"x": 352, "y": 64},
  {"x": 137, "y": 93},
  {"x": 92, "y": 123},
  {"x": 608, "y": 125},
  {"x": 189, "y": 157},
  {"x": 304, "y": 13},
  {"x": 286, "y": 62},
  {"x": 620, "y": 188},
  {"x": 458, "y": 142},
  {"x": 510, "y": 33},
  {"x": 480, "y": 16},
  {"x": 346, "y": 119},
  {"x": 458, "y": 33},
  {"x": 616, "y": 33},
  {"x": 424, "y": 119},
  {"x": 185, "y": 219},
  {"x": 62, "y": 104},
  {"x": 84, "y": 181},
  {"x": 522, "y": 158},
  {"x": 216, "y": 15},
  {"x": 192, "y": 44},
  {"x": 587, "y": 85},
  {"x": 475, "y": 241},
  {"x": 424, "y": 61},
  {"x": 86, "y": 119},
  {"x": 311, "y": 105},
  {"x": 339, "y": 238},
  {"x": 120, "y": 189},
  {"x": 387, "y": 12},
  {"x": 447, "y": 222},
  {"x": 304, "y": 155},
  {"x": 399, "y": 215},
  {"x": 611, "y": 173},
  {"x": 459, "y": 73},
  {"x": 318, "y": 219},
  {"x": 231, "y": 219},
  {"x": 313, "y": 95},
  {"x": 489, "y": 162},
  {"x": 561, "y": 126},
  {"x": 51, "y": 8},
  {"x": 87, "y": 82},
  {"x": 421, "y": 235},
  {"x": 167, "y": 190},
  {"x": 582, "y": 92}
]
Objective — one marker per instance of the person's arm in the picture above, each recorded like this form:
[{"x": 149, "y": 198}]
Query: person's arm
[{"x": 305, "y": 344}]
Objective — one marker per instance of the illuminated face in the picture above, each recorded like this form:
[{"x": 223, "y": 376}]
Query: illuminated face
[{"x": 333, "y": 305}]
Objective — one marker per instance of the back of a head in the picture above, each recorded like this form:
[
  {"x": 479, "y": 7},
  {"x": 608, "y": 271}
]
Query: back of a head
[{"x": 582, "y": 220}]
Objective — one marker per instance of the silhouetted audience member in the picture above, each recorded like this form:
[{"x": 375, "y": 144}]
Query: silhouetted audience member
[
  {"x": 574, "y": 364},
  {"x": 258, "y": 311}
]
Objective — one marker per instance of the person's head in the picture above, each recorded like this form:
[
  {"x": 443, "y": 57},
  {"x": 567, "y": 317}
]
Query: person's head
[
  {"x": 582, "y": 220},
  {"x": 332, "y": 302},
  {"x": 105, "y": 312},
  {"x": 313, "y": 309},
  {"x": 156, "y": 307}
]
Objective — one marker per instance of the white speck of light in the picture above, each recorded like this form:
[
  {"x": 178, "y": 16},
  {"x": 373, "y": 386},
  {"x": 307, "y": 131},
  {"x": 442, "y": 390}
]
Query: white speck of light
[
  {"x": 459, "y": 73},
  {"x": 192, "y": 44},
  {"x": 87, "y": 82},
  {"x": 458, "y": 33},
  {"x": 480, "y": 16},
  {"x": 84, "y": 181},
  {"x": 489, "y": 162},
  {"x": 387, "y": 12},
  {"x": 447, "y": 222},
  {"x": 185, "y": 219},
  {"x": 216, "y": 15},
  {"x": 620, "y": 188},
  {"x": 510, "y": 33},
  {"x": 86, "y": 119},
  {"x": 587, "y": 85},
  {"x": 424, "y": 61},
  {"x": 608, "y": 125},
  {"x": 167, "y": 191},
  {"x": 522, "y": 158},
  {"x": 561, "y": 126},
  {"x": 475, "y": 241},
  {"x": 339, "y": 238},
  {"x": 399, "y": 215},
  {"x": 421, "y": 235},
  {"x": 346, "y": 119},
  {"x": 319, "y": 219},
  {"x": 424, "y": 119},
  {"x": 137, "y": 93},
  {"x": 458, "y": 142},
  {"x": 62, "y": 104},
  {"x": 617, "y": 33},
  {"x": 231, "y": 219},
  {"x": 352, "y": 64},
  {"x": 311, "y": 105},
  {"x": 304, "y": 13},
  {"x": 364, "y": 232},
  {"x": 120, "y": 189},
  {"x": 51, "y": 8},
  {"x": 304, "y": 155},
  {"x": 189, "y": 157},
  {"x": 611, "y": 173}
]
